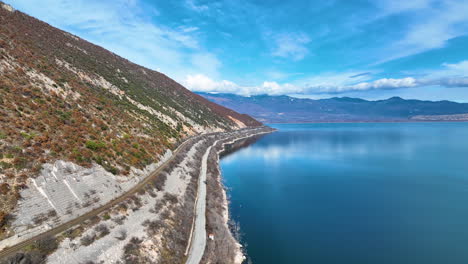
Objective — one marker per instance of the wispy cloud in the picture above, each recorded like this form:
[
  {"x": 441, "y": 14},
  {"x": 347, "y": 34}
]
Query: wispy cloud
[
  {"x": 360, "y": 74},
  {"x": 196, "y": 7},
  {"x": 290, "y": 45},
  {"x": 437, "y": 22}
]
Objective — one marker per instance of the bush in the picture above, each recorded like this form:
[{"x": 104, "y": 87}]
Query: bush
[
  {"x": 122, "y": 234},
  {"x": 159, "y": 181},
  {"x": 152, "y": 227},
  {"x": 102, "y": 230},
  {"x": 171, "y": 198},
  {"x": 52, "y": 213},
  {"x": 95, "y": 145},
  {"x": 46, "y": 245},
  {"x": 106, "y": 216},
  {"x": 5, "y": 218},
  {"x": 88, "y": 239},
  {"x": 132, "y": 247},
  {"x": 4, "y": 188}
]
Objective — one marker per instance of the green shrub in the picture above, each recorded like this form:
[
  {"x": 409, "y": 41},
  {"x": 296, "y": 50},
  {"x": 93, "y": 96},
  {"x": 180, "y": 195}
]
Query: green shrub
[
  {"x": 28, "y": 136},
  {"x": 95, "y": 145},
  {"x": 106, "y": 216}
]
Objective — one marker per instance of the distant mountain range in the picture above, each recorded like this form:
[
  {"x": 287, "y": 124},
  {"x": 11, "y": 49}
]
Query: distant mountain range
[{"x": 286, "y": 109}]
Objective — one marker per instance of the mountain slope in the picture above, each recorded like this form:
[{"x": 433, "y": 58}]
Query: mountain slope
[
  {"x": 287, "y": 109},
  {"x": 63, "y": 98}
]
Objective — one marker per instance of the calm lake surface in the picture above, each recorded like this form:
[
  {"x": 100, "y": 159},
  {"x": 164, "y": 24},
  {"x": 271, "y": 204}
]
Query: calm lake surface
[{"x": 353, "y": 193}]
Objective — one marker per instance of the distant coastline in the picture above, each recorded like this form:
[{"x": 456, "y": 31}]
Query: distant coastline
[{"x": 372, "y": 121}]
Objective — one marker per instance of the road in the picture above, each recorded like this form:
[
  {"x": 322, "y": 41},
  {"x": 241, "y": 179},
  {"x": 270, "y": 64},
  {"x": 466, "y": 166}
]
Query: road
[
  {"x": 198, "y": 242},
  {"x": 63, "y": 227}
]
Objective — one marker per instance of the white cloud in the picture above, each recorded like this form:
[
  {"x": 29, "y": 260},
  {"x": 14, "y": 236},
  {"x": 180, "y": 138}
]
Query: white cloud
[
  {"x": 188, "y": 29},
  {"x": 460, "y": 68},
  {"x": 196, "y": 7},
  {"x": 202, "y": 83},
  {"x": 386, "y": 83},
  {"x": 450, "y": 75},
  {"x": 290, "y": 45}
]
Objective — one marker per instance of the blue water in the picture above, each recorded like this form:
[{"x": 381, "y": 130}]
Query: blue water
[{"x": 353, "y": 193}]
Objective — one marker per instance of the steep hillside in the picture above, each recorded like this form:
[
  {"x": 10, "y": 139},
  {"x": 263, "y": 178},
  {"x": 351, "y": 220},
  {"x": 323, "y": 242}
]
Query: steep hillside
[
  {"x": 285, "y": 109},
  {"x": 63, "y": 98}
]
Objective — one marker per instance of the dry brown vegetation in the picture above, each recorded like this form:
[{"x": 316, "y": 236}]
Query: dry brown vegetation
[{"x": 57, "y": 103}]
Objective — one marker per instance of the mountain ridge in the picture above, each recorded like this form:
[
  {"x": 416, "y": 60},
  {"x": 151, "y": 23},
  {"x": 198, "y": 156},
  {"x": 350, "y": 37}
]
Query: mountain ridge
[{"x": 286, "y": 109}]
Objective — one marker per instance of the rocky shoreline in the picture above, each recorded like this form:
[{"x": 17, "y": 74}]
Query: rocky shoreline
[{"x": 224, "y": 247}]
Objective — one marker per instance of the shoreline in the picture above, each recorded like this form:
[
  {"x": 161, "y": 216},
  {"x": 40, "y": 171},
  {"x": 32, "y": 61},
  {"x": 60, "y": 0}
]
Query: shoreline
[
  {"x": 234, "y": 251},
  {"x": 369, "y": 122}
]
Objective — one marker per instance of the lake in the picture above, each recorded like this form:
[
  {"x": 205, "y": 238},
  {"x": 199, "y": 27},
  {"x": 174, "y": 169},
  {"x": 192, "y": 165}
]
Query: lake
[{"x": 353, "y": 193}]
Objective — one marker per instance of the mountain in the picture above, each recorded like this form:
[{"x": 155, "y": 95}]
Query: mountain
[
  {"x": 63, "y": 98},
  {"x": 285, "y": 109}
]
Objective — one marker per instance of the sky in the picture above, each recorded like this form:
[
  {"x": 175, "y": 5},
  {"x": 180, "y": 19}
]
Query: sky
[{"x": 371, "y": 49}]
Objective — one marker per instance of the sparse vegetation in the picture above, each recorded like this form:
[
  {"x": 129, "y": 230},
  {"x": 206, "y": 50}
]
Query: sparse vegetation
[
  {"x": 88, "y": 239},
  {"x": 171, "y": 198},
  {"x": 106, "y": 216},
  {"x": 102, "y": 230},
  {"x": 132, "y": 252},
  {"x": 35, "y": 253},
  {"x": 122, "y": 234}
]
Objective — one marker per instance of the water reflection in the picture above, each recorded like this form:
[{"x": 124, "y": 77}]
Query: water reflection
[{"x": 353, "y": 193}]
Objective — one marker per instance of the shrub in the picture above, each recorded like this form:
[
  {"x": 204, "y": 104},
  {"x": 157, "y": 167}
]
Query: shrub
[
  {"x": 102, "y": 230},
  {"x": 52, "y": 213},
  {"x": 106, "y": 216},
  {"x": 152, "y": 227},
  {"x": 169, "y": 197},
  {"x": 122, "y": 234},
  {"x": 39, "y": 219},
  {"x": 119, "y": 220},
  {"x": 46, "y": 245},
  {"x": 95, "y": 145},
  {"x": 36, "y": 253},
  {"x": 28, "y": 136},
  {"x": 132, "y": 245},
  {"x": 159, "y": 181},
  {"x": 4, "y": 188},
  {"x": 88, "y": 239},
  {"x": 5, "y": 218}
]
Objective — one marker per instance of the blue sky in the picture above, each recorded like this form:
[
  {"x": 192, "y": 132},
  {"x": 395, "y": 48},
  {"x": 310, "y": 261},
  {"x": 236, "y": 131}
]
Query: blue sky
[{"x": 370, "y": 49}]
